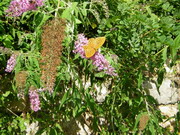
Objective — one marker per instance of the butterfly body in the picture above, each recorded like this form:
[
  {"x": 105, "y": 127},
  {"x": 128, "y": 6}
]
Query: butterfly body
[{"x": 93, "y": 45}]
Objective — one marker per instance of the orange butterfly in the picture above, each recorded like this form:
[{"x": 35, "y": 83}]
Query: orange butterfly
[{"x": 93, "y": 45}]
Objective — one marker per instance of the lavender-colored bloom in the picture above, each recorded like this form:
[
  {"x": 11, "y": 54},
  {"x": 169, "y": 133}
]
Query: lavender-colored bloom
[
  {"x": 81, "y": 41},
  {"x": 17, "y": 7},
  {"x": 102, "y": 64},
  {"x": 34, "y": 100},
  {"x": 39, "y": 3},
  {"x": 11, "y": 63},
  {"x": 98, "y": 59}
]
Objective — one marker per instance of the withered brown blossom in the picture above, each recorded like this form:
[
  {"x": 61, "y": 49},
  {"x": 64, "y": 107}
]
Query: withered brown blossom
[
  {"x": 20, "y": 78},
  {"x": 143, "y": 121},
  {"x": 22, "y": 104},
  {"x": 52, "y": 37}
]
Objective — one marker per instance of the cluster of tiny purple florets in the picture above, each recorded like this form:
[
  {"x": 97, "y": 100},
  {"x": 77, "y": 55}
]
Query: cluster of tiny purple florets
[
  {"x": 98, "y": 59},
  {"x": 81, "y": 41},
  {"x": 102, "y": 64},
  {"x": 17, "y": 7},
  {"x": 11, "y": 63},
  {"x": 34, "y": 100}
]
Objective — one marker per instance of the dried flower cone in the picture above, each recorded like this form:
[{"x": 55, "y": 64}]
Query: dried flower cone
[
  {"x": 52, "y": 37},
  {"x": 20, "y": 78},
  {"x": 143, "y": 121}
]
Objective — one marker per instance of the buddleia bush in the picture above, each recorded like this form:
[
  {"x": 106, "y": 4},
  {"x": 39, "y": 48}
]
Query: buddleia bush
[{"x": 48, "y": 84}]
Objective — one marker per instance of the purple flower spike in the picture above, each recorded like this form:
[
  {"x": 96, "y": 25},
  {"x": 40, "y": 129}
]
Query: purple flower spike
[
  {"x": 98, "y": 59},
  {"x": 81, "y": 41},
  {"x": 102, "y": 64},
  {"x": 17, "y": 7},
  {"x": 11, "y": 63},
  {"x": 34, "y": 100}
]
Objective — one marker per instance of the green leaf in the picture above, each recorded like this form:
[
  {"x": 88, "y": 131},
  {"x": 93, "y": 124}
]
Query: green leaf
[
  {"x": 76, "y": 56},
  {"x": 100, "y": 74},
  {"x": 77, "y": 21},
  {"x": 151, "y": 128},
  {"x": 74, "y": 5},
  {"x": 21, "y": 124},
  {"x": 164, "y": 54},
  {"x": 90, "y": 102},
  {"x": 165, "y": 6},
  {"x": 53, "y": 131},
  {"x": 66, "y": 14},
  {"x": 7, "y": 42},
  {"x": 40, "y": 19},
  {"x": 64, "y": 99},
  {"x": 153, "y": 16},
  {"x": 84, "y": 10},
  {"x": 14, "y": 32},
  {"x": 174, "y": 48},
  {"x": 58, "y": 126},
  {"x": 6, "y": 94},
  {"x": 177, "y": 42}
]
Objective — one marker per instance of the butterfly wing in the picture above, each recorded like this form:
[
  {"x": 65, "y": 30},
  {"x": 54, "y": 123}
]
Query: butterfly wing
[
  {"x": 98, "y": 42},
  {"x": 92, "y": 42},
  {"x": 89, "y": 51},
  {"x": 93, "y": 45}
]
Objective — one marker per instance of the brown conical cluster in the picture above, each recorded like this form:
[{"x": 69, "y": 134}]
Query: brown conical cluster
[
  {"x": 143, "y": 121},
  {"x": 52, "y": 37},
  {"x": 20, "y": 78}
]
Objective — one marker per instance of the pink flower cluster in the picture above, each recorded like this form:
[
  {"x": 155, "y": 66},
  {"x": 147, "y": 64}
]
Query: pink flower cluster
[
  {"x": 81, "y": 41},
  {"x": 34, "y": 100},
  {"x": 17, "y": 7},
  {"x": 98, "y": 59},
  {"x": 11, "y": 63},
  {"x": 102, "y": 64}
]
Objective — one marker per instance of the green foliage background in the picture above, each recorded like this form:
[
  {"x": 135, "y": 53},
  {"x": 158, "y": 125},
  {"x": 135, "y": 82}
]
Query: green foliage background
[{"x": 142, "y": 34}]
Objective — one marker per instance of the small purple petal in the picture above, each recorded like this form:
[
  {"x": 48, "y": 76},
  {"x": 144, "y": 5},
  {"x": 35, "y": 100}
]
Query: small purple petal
[
  {"x": 17, "y": 7},
  {"x": 81, "y": 41},
  {"x": 11, "y": 63},
  {"x": 34, "y": 100}
]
